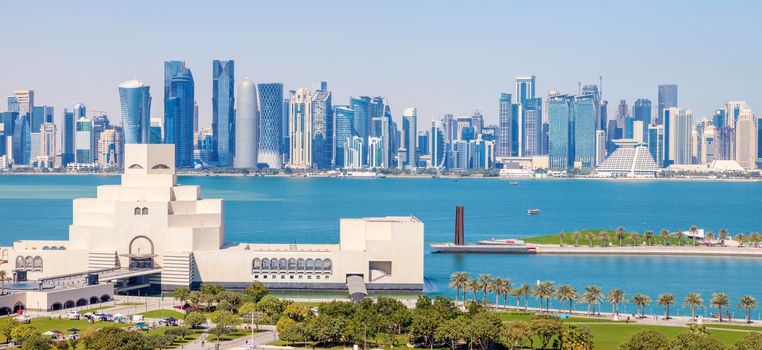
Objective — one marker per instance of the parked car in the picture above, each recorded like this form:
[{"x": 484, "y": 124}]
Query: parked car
[{"x": 73, "y": 315}]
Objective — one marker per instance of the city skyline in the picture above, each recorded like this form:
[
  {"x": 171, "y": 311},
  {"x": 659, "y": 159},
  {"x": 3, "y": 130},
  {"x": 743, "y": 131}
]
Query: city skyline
[{"x": 438, "y": 69}]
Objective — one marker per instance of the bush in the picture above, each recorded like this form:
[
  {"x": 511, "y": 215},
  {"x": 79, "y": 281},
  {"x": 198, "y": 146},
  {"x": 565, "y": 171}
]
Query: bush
[
  {"x": 647, "y": 339},
  {"x": 693, "y": 341},
  {"x": 576, "y": 338},
  {"x": 195, "y": 319},
  {"x": 37, "y": 343},
  {"x": 516, "y": 333},
  {"x": 752, "y": 341},
  {"x": 21, "y": 333}
]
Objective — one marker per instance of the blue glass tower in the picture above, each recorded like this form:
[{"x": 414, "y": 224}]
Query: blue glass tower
[
  {"x": 67, "y": 138},
  {"x": 322, "y": 129},
  {"x": 344, "y": 121},
  {"x": 270, "y": 123},
  {"x": 178, "y": 111},
  {"x": 585, "y": 119},
  {"x": 561, "y": 131},
  {"x": 22, "y": 140},
  {"x": 667, "y": 98},
  {"x": 135, "y": 98},
  {"x": 532, "y": 127},
  {"x": 504, "y": 131},
  {"x": 223, "y": 112}
]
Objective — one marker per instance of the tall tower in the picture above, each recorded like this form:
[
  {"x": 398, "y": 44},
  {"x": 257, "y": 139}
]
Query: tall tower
[
  {"x": 410, "y": 130},
  {"x": 322, "y": 128},
  {"x": 270, "y": 124},
  {"x": 135, "y": 98},
  {"x": 667, "y": 99},
  {"x": 25, "y": 101},
  {"x": 525, "y": 88},
  {"x": 246, "y": 128},
  {"x": 746, "y": 139},
  {"x": 300, "y": 129},
  {"x": 179, "y": 99},
  {"x": 504, "y": 131},
  {"x": 223, "y": 112}
]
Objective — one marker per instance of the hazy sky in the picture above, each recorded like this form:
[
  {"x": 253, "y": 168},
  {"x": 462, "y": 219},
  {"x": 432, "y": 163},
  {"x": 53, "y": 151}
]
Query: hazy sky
[{"x": 440, "y": 56}]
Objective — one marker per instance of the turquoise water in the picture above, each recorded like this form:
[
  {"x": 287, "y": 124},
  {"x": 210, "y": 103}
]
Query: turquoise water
[{"x": 308, "y": 209}]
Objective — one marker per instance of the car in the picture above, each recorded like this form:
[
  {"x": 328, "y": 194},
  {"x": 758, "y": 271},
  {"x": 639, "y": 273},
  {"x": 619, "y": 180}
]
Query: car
[{"x": 73, "y": 315}]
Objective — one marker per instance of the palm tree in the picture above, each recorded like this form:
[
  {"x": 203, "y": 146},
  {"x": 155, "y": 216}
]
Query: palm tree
[
  {"x": 754, "y": 237},
  {"x": 3, "y": 278},
  {"x": 604, "y": 237},
  {"x": 544, "y": 292},
  {"x": 666, "y": 300},
  {"x": 568, "y": 294},
  {"x": 473, "y": 286},
  {"x": 641, "y": 300},
  {"x": 484, "y": 282},
  {"x": 459, "y": 280},
  {"x": 592, "y": 297},
  {"x": 620, "y": 234},
  {"x": 693, "y": 300},
  {"x": 694, "y": 232},
  {"x": 501, "y": 287},
  {"x": 561, "y": 238},
  {"x": 634, "y": 238},
  {"x": 616, "y": 296},
  {"x": 679, "y": 235},
  {"x": 709, "y": 237},
  {"x": 664, "y": 234},
  {"x": 723, "y": 236},
  {"x": 576, "y": 235},
  {"x": 589, "y": 236},
  {"x": 719, "y": 300},
  {"x": 525, "y": 291},
  {"x": 649, "y": 235},
  {"x": 747, "y": 302}
]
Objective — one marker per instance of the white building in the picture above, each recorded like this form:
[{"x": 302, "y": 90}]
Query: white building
[
  {"x": 633, "y": 161},
  {"x": 151, "y": 233}
]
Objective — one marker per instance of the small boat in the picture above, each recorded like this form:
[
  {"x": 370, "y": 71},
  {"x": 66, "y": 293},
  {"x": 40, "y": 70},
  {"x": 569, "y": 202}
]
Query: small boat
[
  {"x": 514, "y": 183},
  {"x": 533, "y": 211}
]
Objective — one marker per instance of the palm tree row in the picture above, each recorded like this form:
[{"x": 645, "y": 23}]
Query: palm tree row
[
  {"x": 592, "y": 296},
  {"x": 620, "y": 235}
]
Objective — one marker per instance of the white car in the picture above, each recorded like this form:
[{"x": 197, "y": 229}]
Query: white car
[{"x": 73, "y": 315}]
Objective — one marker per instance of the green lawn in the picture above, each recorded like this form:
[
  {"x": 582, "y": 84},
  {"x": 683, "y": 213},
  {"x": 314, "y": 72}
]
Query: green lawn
[
  {"x": 734, "y": 326},
  {"x": 106, "y": 307},
  {"x": 610, "y": 336},
  {"x": 569, "y": 238},
  {"x": 513, "y": 316},
  {"x": 163, "y": 313}
]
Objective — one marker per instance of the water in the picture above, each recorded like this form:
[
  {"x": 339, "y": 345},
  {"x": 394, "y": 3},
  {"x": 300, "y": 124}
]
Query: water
[{"x": 307, "y": 210}]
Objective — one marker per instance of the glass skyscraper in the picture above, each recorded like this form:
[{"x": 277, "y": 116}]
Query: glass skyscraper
[
  {"x": 22, "y": 140},
  {"x": 532, "y": 127},
  {"x": 561, "y": 131},
  {"x": 322, "y": 129},
  {"x": 135, "y": 98},
  {"x": 344, "y": 130},
  {"x": 409, "y": 138},
  {"x": 270, "y": 124},
  {"x": 223, "y": 112},
  {"x": 361, "y": 121},
  {"x": 585, "y": 119},
  {"x": 525, "y": 88},
  {"x": 178, "y": 111},
  {"x": 67, "y": 138},
  {"x": 505, "y": 117},
  {"x": 437, "y": 145},
  {"x": 667, "y": 98}
]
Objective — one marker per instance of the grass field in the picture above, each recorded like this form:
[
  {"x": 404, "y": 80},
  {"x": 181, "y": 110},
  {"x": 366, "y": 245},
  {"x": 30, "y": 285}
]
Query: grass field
[
  {"x": 596, "y": 241},
  {"x": 163, "y": 313},
  {"x": 523, "y": 316}
]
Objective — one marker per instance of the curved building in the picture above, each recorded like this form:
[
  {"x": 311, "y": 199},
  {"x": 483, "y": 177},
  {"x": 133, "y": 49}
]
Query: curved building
[
  {"x": 270, "y": 123},
  {"x": 135, "y": 98},
  {"x": 246, "y": 129}
]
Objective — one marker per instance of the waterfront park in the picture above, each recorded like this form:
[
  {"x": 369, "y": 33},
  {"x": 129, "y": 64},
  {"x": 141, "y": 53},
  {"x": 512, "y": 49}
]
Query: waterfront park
[{"x": 484, "y": 312}]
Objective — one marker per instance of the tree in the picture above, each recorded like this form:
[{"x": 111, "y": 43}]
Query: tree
[
  {"x": 195, "y": 319},
  {"x": 181, "y": 294},
  {"x": 37, "y": 343},
  {"x": 604, "y": 238},
  {"x": 634, "y": 238},
  {"x": 592, "y": 297},
  {"x": 709, "y": 237},
  {"x": 195, "y": 298},
  {"x": 450, "y": 332},
  {"x": 546, "y": 328},
  {"x": 694, "y": 234},
  {"x": 719, "y": 300},
  {"x": 271, "y": 307},
  {"x": 297, "y": 312},
  {"x": 515, "y": 333},
  {"x": 747, "y": 302},
  {"x": 326, "y": 329},
  {"x": 679, "y": 235},
  {"x": 116, "y": 338},
  {"x": 723, "y": 236},
  {"x": 501, "y": 287},
  {"x": 473, "y": 286},
  {"x": 424, "y": 325},
  {"x": 567, "y": 293},
  {"x": 576, "y": 235},
  {"x": 696, "y": 341},
  {"x": 224, "y": 320},
  {"x": 693, "y": 300},
  {"x": 525, "y": 291},
  {"x": 257, "y": 290},
  {"x": 740, "y": 237},
  {"x": 544, "y": 291},
  {"x": 641, "y": 300},
  {"x": 3, "y": 278},
  {"x": 294, "y": 332},
  {"x": 483, "y": 329},
  {"x": 459, "y": 280},
  {"x": 7, "y": 324},
  {"x": 23, "y": 332},
  {"x": 620, "y": 234},
  {"x": 647, "y": 339},
  {"x": 233, "y": 300},
  {"x": 751, "y": 341},
  {"x": 484, "y": 283},
  {"x": 589, "y": 236},
  {"x": 664, "y": 234},
  {"x": 666, "y": 300},
  {"x": 649, "y": 236},
  {"x": 615, "y": 297},
  {"x": 576, "y": 338}
]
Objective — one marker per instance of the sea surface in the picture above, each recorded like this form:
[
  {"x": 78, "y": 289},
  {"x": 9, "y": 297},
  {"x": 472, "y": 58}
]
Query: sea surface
[{"x": 307, "y": 210}]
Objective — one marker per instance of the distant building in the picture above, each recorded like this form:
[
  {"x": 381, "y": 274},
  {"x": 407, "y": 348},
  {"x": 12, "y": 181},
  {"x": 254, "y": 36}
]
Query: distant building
[
  {"x": 532, "y": 127},
  {"x": 344, "y": 130},
  {"x": 375, "y": 152},
  {"x": 656, "y": 144},
  {"x": 641, "y": 111},
  {"x": 179, "y": 101},
  {"x": 525, "y": 88},
  {"x": 585, "y": 118},
  {"x": 746, "y": 139},
  {"x": 707, "y": 144},
  {"x": 270, "y": 124},
  {"x": 504, "y": 134},
  {"x": 678, "y": 135},
  {"x": 24, "y": 101},
  {"x": 300, "y": 129},
  {"x": 322, "y": 129},
  {"x": 22, "y": 138},
  {"x": 410, "y": 130},
  {"x": 628, "y": 162},
  {"x": 667, "y": 98},
  {"x": 353, "y": 153},
  {"x": 84, "y": 141},
  {"x": 246, "y": 128},
  {"x": 135, "y": 98},
  {"x": 561, "y": 130},
  {"x": 110, "y": 149},
  {"x": 223, "y": 112},
  {"x": 47, "y": 156},
  {"x": 437, "y": 145}
]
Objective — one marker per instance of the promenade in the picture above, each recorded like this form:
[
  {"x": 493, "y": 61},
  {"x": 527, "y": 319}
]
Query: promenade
[{"x": 555, "y": 249}]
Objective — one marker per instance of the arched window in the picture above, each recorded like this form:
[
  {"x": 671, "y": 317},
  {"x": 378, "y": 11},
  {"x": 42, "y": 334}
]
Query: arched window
[
  {"x": 54, "y": 248},
  {"x": 265, "y": 264},
  {"x": 38, "y": 263},
  {"x": 291, "y": 264},
  {"x": 300, "y": 264},
  {"x": 29, "y": 263},
  {"x": 310, "y": 264},
  {"x": 256, "y": 264},
  {"x": 61, "y": 248},
  {"x": 20, "y": 263},
  {"x": 159, "y": 166},
  {"x": 136, "y": 166},
  {"x": 46, "y": 248},
  {"x": 327, "y": 265},
  {"x": 318, "y": 265},
  {"x": 145, "y": 211},
  {"x": 282, "y": 264},
  {"x": 137, "y": 211}
]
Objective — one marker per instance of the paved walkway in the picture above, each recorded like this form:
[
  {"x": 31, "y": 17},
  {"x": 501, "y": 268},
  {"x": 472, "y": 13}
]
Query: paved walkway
[{"x": 266, "y": 335}]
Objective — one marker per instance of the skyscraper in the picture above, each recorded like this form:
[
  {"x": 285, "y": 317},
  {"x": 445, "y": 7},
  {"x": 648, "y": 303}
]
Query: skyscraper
[
  {"x": 22, "y": 139},
  {"x": 40, "y": 115},
  {"x": 525, "y": 88},
  {"x": 504, "y": 133},
  {"x": 746, "y": 139},
  {"x": 300, "y": 129},
  {"x": 246, "y": 128},
  {"x": 353, "y": 152},
  {"x": 223, "y": 112},
  {"x": 322, "y": 129},
  {"x": 67, "y": 138},
  {"x": 270, "y": 123},
  {"x": 561, "y": 130},
  {"x": 667, "y": 99},
  {"x": 532, "y": 128},
  {"x": 13, "y": 104},
  {"x": 80, "y": 111},
  {"x": 361, "y": 107},
  {"x": 84, "y": 141},
  {"x": 410, "y": 130},
  {"x": 135, "y": 98},
  {"x": 679, "y": 135},
  {"x": 344, "y": 130},
  {"x": 656, "y": 144},
  {"x": 437, "y": 145},
  {"x": 585, "y": 119},
  {"x": 179, "y": 99},
  {"x": 24, "y": 101},
  {"x": 641, "y": 110},
  {"x": 47, "y": 156},
  {"x": 375, "y": 152},
  {"x": 110, "y": 149}
]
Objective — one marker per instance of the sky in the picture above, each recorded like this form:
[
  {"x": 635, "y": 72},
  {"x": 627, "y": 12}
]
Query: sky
[{"x": 439, "y": 56}]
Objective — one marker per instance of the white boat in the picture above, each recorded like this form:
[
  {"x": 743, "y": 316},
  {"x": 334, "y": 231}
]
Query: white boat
[{"x": 533, "y": 211}]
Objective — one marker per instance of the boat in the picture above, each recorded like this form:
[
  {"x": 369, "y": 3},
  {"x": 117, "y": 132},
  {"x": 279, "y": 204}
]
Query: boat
[
  {"x": 490, "y": 246},
  {"x": 533, "y": 211},
  {"x": 514, "y": 183},
  {"x": 365, "y": 174}
]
